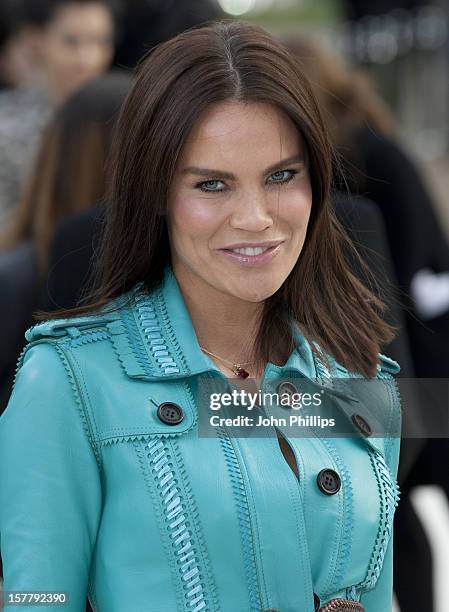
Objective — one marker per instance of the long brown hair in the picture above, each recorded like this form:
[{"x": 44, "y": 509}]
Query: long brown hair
[
  {"x": 175, "y": 84},
  {"x": 69, "y": 172}
]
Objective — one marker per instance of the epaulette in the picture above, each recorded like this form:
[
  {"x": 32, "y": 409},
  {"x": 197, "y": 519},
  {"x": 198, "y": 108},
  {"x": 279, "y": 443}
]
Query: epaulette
[
  {"x": 71, "y": 326},
  {"x": 386, "y": 364}
]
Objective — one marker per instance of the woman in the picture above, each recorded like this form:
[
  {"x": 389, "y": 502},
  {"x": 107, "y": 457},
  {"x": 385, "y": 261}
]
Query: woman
[
  {"x": 68, "y": 177},
  {"x": 215, "y": 263}
]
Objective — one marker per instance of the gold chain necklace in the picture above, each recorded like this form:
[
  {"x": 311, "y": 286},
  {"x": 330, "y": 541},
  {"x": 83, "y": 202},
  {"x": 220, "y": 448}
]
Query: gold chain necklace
[{"x": 235, "y": 367}]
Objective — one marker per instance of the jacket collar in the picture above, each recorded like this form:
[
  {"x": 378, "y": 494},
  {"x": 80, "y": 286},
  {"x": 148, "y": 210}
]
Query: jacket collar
[{"x": 155, "y": 339}]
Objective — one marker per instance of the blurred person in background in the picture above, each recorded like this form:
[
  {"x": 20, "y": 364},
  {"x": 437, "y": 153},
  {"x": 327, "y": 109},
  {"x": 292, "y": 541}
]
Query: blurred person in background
[
  {"x": 376, "y": 166},
  {"x": 77, "y": 41},
  {"x": 74, "y": 42},
  {"x": 68, "y": 177},
  {"x": 18, "y": 63}
]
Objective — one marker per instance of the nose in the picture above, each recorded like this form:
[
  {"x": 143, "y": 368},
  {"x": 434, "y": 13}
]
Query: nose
[{"x": 252, "y": 212}]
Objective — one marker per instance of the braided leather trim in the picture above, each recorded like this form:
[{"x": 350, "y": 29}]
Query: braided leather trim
[
  {"x": 181, "y": 536},
  {"x": 152, "y": 330}
]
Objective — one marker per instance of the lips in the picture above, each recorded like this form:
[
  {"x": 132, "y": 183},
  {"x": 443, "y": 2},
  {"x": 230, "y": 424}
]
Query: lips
[
  {"x": 252, "y": 245},
  {"x": 248, "y": 255}
]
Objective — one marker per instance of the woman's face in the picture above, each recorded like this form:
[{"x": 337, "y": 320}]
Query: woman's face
[
  {"x": 240, "y": 201},
  {"x": 77, "y": 46}
]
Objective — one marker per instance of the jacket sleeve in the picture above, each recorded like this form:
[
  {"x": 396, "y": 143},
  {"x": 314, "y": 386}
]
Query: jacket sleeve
[{"x": 50, "y": 492}]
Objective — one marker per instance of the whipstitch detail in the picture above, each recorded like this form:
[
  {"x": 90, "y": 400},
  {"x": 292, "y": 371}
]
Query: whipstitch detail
[
  {"x": 86, "y": 338},
  {"x": 389, "y": 498},
  {"x": 152, "y": 330},
  {"x": 196, "y": 519},
  {"x": 169, "y": 329},
  {"x": 175, "y": 515}
]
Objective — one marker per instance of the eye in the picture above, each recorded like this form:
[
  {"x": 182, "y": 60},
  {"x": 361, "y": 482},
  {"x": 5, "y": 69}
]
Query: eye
[
  {"x": 210, "y": 186},
  {"x": 283, "y": 176},
  {"x": 70, "y": 40}
]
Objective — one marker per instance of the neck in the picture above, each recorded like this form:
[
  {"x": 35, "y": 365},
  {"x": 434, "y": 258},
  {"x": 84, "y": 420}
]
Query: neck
[{"x": 224, "y": 324}]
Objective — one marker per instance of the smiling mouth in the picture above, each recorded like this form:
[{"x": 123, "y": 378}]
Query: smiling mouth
[
  {"x": 252, "y": 255},
  {"x": 249, "y": 251}
]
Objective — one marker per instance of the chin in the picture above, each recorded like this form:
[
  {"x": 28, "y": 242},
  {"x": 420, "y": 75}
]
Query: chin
[{"x": 256, "y": 294}]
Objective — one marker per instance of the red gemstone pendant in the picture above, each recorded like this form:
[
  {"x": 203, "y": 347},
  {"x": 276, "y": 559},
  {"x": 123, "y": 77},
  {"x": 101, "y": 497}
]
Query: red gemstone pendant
[{"x": 240, "y": 372}]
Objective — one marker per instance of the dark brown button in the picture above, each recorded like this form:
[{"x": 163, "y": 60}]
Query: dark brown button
[
  {"x": 328, "y": 481},
  {"x": 362, "y": 425},
  {"x": 316, "y": 602},
  {"x": 286, "y": 388},
  {"x": 170, "y": 413}
]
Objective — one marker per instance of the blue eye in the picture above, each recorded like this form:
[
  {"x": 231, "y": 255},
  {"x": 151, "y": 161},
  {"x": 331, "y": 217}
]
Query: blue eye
[
  {"x": 283, "y": 176},
  {"x": 280, "y": 177},
  {"x": 208, "y": 186}
]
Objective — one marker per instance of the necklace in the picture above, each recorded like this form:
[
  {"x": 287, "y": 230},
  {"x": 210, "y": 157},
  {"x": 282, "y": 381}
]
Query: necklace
[{"x": 235, "y": 367}]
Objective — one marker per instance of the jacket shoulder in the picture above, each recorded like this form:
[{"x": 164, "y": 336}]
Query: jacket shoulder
[
  {"x": 328, "y": 367},
  {"x": 385, "y": 366},
  {"x": 72, "y": 327},
  {"x": 388, "y": 365}
]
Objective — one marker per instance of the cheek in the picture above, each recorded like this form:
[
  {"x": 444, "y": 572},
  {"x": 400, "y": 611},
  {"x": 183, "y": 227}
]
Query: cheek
[
  {"x": 295, "y": 208},
  {"x": 194, "y": 216},
  {"x": 62, "y": 56},
  {"x": 99, "y": 56}
]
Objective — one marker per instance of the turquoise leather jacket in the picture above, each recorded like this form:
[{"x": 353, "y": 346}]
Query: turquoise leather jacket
[{"x": 100, "y": 496}]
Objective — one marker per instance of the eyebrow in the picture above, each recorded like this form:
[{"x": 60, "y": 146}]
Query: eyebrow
[{"x": 296, "y": 159}]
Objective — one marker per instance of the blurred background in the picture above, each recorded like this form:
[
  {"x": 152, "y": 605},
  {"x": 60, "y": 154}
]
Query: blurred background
[{"x": 380, "y": 69}]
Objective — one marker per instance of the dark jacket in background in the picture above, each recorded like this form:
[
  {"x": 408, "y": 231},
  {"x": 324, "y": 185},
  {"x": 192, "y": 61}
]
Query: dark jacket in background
[
  {"x": 379, "y": 170},
  {"x": 18, "y": 296},
  {"x": 73, "y": 251}
]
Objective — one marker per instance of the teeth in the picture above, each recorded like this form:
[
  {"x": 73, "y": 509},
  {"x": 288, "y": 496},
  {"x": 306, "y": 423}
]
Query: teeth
[{"x": 250, "y": 251}]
